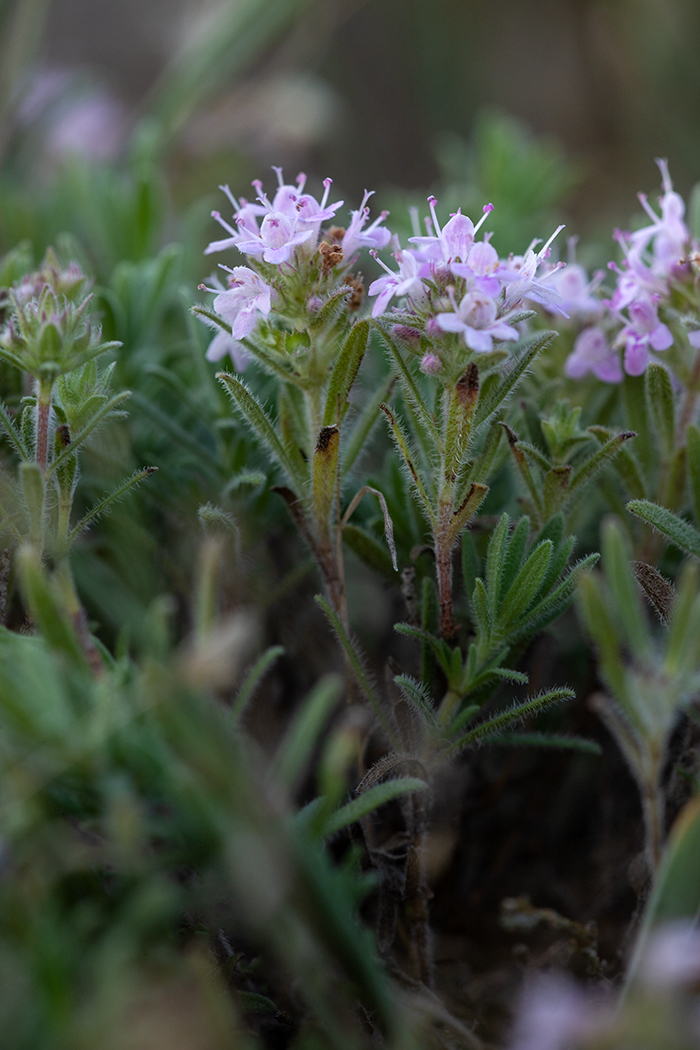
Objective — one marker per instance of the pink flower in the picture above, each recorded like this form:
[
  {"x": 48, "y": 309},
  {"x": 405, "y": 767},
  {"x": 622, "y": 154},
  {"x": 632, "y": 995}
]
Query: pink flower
[
  {"x": 483, "y": 269},
  {"x": 643, "y": 332},
  {"x": 592, "y": 353},
  {"x": 246, "y": 297},
  {"x": 672, "y": 957},
  {"x": 572, "y": 284},
  {"x": 525, "y": 284},
  {"x": 356, "y": 236},
  {"x": 555, "y": 1015},
  {"x": 405, "y": 282},
  {"x": 277, "y": 239},
  {"x": 476, "y": 318},
  {"x": 223, "y": 344},
  {"x": 246, "y": 218},
  {"x": 669, "y": 233},
  {"x": 453, "y": 242}
]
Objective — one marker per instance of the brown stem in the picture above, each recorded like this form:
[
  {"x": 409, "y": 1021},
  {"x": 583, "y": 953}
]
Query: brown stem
[
  {"x": 443, "y": 568},
  {"x": 418, "y": 894}
]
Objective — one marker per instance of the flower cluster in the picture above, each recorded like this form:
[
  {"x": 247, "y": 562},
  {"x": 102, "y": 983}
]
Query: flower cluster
[
  {"x": 454, "y": 284},
  {"x": 655, "y": 271},
  {"x": 48, "y": 331},
  {"x": 290, "y": 261}
]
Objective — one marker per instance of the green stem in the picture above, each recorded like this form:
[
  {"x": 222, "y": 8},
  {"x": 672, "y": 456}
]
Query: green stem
[
  {"x": 43, "y": 418},
  {"x": 448, "y": 707}
]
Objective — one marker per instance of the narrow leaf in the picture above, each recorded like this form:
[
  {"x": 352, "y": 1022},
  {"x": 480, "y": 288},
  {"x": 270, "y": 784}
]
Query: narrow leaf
[
  {"x": 370, "y": 800},
  {"x": 506, "y": 718},
  {"x": 253, "y": 679},
  {"x": 388, "y": 524},
  {"x": 302, "y": 736},
  {"x": 344, "y": 372},
  {"x": 675, "y": 529},
  {"x": 253, "y": 412},
  {"x": 355, "y": 662}
]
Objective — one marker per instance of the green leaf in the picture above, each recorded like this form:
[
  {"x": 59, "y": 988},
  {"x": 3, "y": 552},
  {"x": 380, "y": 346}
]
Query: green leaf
[
  {"x": 594, "y": 610},
  {"x": 362, "y": 429},
  {"x": 492, "y": 726},
  {"x": 683, "y": 648},
  {"x": 417, "y": 695},
  {"x": 355, "y": 662},
  {"x": 523, "y": 356},
  {"x": 481, "y": 607},
  {"x": 553, "y": 740},
  {"x": 78, "y": 439},
  {"x": 535, "y": 455},
  {"x": 551, "y": 606},
  {"x": 676, "y": 890},
  {"x": 253, "y": 679},
  {"x": 372, "y": 553},
  {"x": 660, "y": 403},
  {"x": 302, "y": 736},
  {"x": 623, "y": 587},
  {"x": 344, "y": 372},
  {"x": 411, "y": 389},
  {"x": 256, "y": 417},
  {"x": 495, "y": 557},
  {"x": 692, "y": 436},
  {"x": 402, "y": 445},
  {"x": 675, "y": 529},
  {"x": 13, "y": 433},
  {"x": 388, "y": 524},
  {"x": 588, "y": 470},
  {"x": 526, "y": 584},
  {"x": 46, "y": 607},
  {"x": 471, "y": 562},
  {"x": 370, "y": 800},
  {"x": 108, "y": 501},
  {"x": 516, "y": 551}
]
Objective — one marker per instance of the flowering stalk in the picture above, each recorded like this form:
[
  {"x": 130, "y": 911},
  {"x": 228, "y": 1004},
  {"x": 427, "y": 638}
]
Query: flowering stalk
[
  {"x": 293, "y": 308},
  {"x": 461, "y": 301},
  {"x": 43, "y": 419}
]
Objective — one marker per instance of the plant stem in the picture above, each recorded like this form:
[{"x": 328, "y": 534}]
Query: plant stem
[
  {"x": 443, "y": 562},
  {"x": 43, "y": 418},
  {"x": 653, "y": 807}
]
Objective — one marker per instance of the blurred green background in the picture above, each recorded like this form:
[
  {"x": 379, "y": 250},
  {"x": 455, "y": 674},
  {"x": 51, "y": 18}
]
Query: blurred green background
[{"x": 369, "y": 91}]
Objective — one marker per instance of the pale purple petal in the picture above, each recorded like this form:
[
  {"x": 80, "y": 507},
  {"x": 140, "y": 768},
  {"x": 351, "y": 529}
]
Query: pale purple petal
[
  {"x": 636, "y": 356},
  {"x": 661, "y": 337}
]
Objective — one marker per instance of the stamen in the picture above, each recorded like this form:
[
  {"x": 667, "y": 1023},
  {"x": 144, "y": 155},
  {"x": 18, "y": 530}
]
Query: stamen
[
  {"x": 234, "y": 202},
  {"x": 571, "y": 243},
  {"x": 542, "y": 253},
  {"x": 301, "y": 180},
  {"x": 665, "y": 177},
  {"x": 375, "y": 255},
  {"x": 488, "y": 208},
  {"x": 327, "y": 183},
  {"x": 222, "y": 222},
  {"x": 415, "y": 222},
  {"x": 432, "y": 201},
  {"x": 278, "y": 173},
  {"x": 642, "y": 198}
]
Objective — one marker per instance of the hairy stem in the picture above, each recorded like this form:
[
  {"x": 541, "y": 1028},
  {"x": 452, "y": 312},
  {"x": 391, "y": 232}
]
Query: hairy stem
[
  {"x": 443, "y": 564},
  {"x": 43, "y": 418}
]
